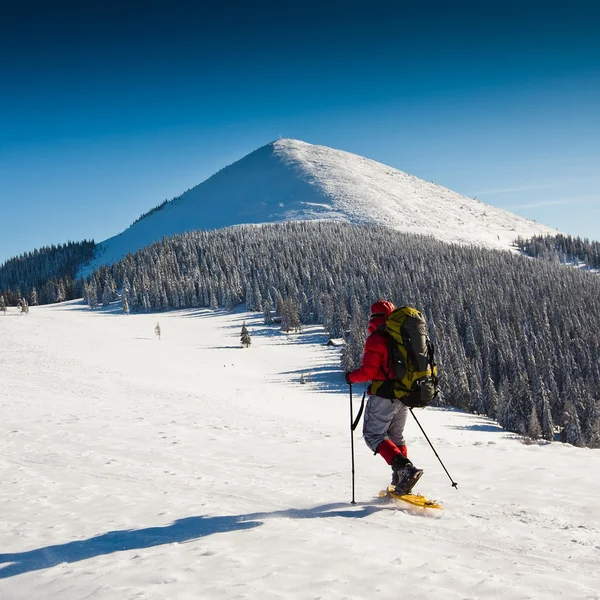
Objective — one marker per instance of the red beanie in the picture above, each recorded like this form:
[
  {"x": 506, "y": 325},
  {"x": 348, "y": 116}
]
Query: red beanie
[{"x": 382, "y": 307}]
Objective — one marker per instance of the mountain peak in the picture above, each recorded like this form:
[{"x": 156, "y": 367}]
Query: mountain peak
[{"x": 289, "y": 179}]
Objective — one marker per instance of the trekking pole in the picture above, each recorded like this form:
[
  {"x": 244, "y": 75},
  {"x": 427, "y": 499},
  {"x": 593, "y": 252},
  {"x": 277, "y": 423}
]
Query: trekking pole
[
  {"x": 352, "y": 441},
  {"x": 454, "y": 484}
]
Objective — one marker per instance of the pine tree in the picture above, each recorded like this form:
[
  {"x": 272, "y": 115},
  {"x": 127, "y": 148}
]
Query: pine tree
[
  {"x": 521, "y": 403},
  {"x": 61, "y": 294},
  {"x": 3, "y": 304},
  {"x": 125, "y": 305},
  {"x": 590, "y": 419},
  {"x": 593, "y": 436},
  {"x": 107, "y": 291},
  {"x": 258, "y": 300},
  {"x": 92, "y": 297},
  {"x": 476, "y": 399},
  {"x": 157, "y": 330},
  {"x": 571, "y": 431},
  {"x": 503, "y": 409},
  {"x": 543, "y": 404},
  {"x": 245, "y": 339},
  {"x": 267, "y": 308},
  {"x": 278, "y": 302},
  {"x": 164, "y": 300},
  {"x": 127, "y": 290},
  {"x": 339, "y": 321},
  {"x": 534, "y": 431},
  {"x": 460, "y": 393},
  {"x": 213, "y": 301},
  {"x": 290, "y": 317},
  {"x": 304, "y": 307},
  {"x": 327, "y": 311},
  {"x": 490, "y": 397},
  {"x": 353, "y": 348},
  {"x": 253, "y": 296}
]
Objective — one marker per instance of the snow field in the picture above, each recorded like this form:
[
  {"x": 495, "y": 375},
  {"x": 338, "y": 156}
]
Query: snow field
[{"x": 192, "y": 468}]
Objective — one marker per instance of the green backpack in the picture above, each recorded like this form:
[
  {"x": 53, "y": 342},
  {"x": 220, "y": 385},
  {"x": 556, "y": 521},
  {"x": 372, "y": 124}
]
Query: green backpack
[{"x": 412, "y": 374}]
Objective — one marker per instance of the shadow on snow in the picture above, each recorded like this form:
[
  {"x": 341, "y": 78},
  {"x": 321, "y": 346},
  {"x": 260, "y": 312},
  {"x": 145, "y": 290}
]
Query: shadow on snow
[
  {"x": 325, "y": 378},
  {"x": 487, "y": 428},
  {"x": 182, "y": 530}
]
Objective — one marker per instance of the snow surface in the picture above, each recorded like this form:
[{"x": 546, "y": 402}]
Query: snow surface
[
  {"x": 190, "y": 468},
  {"x": 293, "y": 180}
]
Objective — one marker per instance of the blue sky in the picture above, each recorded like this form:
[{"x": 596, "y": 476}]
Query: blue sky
[{"x": 106, "y": 111}]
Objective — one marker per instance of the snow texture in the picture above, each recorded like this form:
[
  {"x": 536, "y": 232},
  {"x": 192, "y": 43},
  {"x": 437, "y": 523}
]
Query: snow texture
[
  {"x": 292, "y": 180},
  {"x": 189, "y": 467}
]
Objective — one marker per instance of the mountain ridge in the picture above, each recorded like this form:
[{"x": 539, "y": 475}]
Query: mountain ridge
[{"x": 292, "y": 180}]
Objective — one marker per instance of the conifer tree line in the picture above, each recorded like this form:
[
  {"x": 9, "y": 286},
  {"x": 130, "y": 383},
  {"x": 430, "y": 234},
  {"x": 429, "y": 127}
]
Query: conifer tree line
[
  {"x": 46, "y": 275},
  {"x": 517, "y": 340},
  {"x": 562, "y": 248},
  {"x": 155, "y": 209}
]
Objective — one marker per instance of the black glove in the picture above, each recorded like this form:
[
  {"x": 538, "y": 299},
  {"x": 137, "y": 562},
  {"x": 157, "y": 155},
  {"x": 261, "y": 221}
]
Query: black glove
[{"x": 347, "y": 377}]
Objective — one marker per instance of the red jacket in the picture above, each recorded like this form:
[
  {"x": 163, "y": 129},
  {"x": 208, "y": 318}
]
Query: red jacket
[{"x": 375, "y": 362}]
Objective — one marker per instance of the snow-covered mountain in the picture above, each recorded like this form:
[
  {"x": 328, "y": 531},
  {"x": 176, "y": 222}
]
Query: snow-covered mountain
[{"x": 292, "y": 180}]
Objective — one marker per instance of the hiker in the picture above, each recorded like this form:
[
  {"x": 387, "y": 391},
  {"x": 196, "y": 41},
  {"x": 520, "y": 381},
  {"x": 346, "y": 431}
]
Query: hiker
[{"x": 384, "y": 418}]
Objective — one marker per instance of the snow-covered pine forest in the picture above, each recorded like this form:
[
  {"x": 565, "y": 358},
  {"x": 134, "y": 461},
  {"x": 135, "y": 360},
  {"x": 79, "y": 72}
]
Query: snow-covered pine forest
[
  {"x": 562, "y": 248},
  {"x": 46, "y": 275},
  {"x": 517, "y": 339}
]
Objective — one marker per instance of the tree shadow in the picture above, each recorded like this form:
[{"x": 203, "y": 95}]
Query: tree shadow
[
  {"x": 309, "y": 334},
  {"x": 325, "y": 378},
  {"x": 115, "y": 308},
  {"x": 487, "y": 428},
  {"x": 201, "y": 313},
  {"x": 182, "y": 530}
]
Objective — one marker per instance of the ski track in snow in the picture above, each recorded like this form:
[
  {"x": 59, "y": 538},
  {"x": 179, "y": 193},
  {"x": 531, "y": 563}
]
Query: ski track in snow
[{"x": 133, "y": 468}]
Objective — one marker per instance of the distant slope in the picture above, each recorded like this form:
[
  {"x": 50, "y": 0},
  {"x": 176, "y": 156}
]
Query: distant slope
[
  {"x": 293, "y": 180},
  {"x": 583, "y": 254}
]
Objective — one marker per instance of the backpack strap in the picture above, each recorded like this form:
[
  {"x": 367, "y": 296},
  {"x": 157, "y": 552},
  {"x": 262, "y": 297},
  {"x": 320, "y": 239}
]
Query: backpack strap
[
  {"x": 432, "y": 365},
  {"x": 388, "y": 370}
]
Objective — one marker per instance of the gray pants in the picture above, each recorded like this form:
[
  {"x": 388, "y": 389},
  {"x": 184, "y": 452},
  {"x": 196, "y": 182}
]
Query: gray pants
[{"x": 384, "y": 418}]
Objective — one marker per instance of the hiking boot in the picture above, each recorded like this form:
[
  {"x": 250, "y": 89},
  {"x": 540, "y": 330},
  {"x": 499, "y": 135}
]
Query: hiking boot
[
  {"x": 404, "y": 474},
  {"x": 406, "y": 479},
  {"x": 399, "y": 462}
]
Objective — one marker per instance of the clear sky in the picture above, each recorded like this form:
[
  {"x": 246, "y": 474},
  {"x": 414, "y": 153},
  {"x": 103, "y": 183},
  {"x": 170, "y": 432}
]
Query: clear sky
[{"x": 108, "y": 108}]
